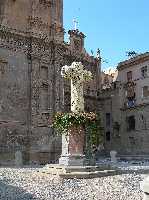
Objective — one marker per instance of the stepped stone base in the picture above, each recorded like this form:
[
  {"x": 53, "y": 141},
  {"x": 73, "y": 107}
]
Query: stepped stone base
[
  {"x": 69, "y": 172},
  {"x": 85, "y": 172}
]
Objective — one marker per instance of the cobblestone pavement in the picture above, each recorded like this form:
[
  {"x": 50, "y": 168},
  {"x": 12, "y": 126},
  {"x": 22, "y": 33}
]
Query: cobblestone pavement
[{"x": 28, "y": 184}]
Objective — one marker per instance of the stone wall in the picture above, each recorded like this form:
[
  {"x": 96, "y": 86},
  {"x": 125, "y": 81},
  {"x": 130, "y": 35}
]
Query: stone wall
[
  {"x": 32, "y": 90},
  {"x": 13, "y": 100}
]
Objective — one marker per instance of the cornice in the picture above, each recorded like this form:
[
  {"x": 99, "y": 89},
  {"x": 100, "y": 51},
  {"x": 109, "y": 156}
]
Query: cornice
[
  {"x": 41, "y": 47},
  {"x": 133, "y": 61}
]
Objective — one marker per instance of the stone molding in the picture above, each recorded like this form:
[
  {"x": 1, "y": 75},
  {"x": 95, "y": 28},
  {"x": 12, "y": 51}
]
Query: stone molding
[
  {"x": 133, "y": 61},
  {"x": 38, "y": 23},
  {"x": 19, "y": 41}
]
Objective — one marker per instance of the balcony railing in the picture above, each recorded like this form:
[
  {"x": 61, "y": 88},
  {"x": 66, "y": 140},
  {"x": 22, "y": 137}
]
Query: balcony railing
[{"x": 130, "y": 103}]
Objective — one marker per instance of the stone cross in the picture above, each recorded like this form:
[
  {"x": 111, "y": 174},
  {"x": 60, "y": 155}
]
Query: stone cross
[{"x": 78, "y": 76}]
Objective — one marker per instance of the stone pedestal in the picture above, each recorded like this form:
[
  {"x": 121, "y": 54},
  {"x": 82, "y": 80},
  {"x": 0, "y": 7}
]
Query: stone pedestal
[
  {"x": 73, "y": 147},
  {"x": 18, "y": 158},
  {"x": 113, "y": 156},
  {"x": 145, "y": 188}
]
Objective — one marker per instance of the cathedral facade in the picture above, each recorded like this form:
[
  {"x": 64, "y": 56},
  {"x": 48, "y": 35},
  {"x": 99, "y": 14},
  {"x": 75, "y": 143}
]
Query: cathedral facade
[{"x": 32, "y": 52}]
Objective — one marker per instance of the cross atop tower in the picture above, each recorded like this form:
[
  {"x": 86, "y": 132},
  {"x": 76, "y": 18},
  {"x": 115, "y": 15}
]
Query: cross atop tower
[{"x": 75, "y": 23}]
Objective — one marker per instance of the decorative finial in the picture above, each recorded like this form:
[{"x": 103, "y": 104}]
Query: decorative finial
[
  {"x": 92, "y": 52},
  {"x": 98, "y": 53},
  {"x": 131, "y": 54}
]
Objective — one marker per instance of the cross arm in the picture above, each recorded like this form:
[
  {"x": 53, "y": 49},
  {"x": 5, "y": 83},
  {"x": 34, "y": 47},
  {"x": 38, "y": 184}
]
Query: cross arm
[{"x": 87, "y": 75}]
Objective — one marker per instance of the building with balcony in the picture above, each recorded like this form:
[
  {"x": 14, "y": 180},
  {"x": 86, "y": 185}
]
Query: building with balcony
[{"x": 126, "y": 108}]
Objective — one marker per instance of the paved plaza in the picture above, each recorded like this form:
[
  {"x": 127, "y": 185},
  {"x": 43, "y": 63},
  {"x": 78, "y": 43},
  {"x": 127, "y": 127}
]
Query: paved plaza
[{"x": 29, "y": 183}]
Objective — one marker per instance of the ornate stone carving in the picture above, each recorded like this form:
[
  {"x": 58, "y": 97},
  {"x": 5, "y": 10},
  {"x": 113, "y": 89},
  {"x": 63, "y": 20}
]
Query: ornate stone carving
[
  {"x": 46, "y": 2},
  {"x": 35, "y": 87},
  {"x": 38, "y": 23},
  {"x": 130, "y": 87},
  {"x": 77, "y": 45}
]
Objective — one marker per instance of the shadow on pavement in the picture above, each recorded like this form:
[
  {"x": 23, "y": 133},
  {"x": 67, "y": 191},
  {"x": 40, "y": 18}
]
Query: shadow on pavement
[{"x": 9, "y": 192}]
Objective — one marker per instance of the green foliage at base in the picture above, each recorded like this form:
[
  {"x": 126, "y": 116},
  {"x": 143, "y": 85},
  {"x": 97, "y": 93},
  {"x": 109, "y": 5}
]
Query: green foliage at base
[{"x": 90, "y": 121}]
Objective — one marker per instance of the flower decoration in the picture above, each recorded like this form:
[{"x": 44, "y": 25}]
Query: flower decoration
[
  {"x": 78, "y": 76},
  {"x": 62, "y": 122}
]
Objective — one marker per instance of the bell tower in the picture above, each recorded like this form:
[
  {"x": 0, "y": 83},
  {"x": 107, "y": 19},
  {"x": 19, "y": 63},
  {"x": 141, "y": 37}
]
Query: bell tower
[{"x": 41, "y": 17}]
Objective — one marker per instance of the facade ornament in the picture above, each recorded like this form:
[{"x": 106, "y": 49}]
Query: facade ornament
[{"x": 98, "y": 54}]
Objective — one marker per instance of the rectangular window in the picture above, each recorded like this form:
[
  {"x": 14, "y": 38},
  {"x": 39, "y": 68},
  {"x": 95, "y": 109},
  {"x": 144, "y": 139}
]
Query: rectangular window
[
  {"x": 130, "y": 123},
  {"x": 44, "y": 99},
  {"x": 108, "y": 136},
  {"x": 3, "y": 65},
  {"x": 144, "y": 72},
  {"x": 108, "y": 119},
  {"x": 129, "y": 76},
  {"x": 145, "y": 91}
]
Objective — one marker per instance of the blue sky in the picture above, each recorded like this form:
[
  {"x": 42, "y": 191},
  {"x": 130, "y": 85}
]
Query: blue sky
[{"x": 114, "y": 26}]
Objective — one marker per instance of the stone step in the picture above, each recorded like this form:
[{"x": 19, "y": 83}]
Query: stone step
[
  {"x": 134, "y": 157},
  {"x": 61, "y": 172},
  {"x": 87, "y": 175},
  {"x": 69, "y": 169},
  {"x": 78, "y": 171}
]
